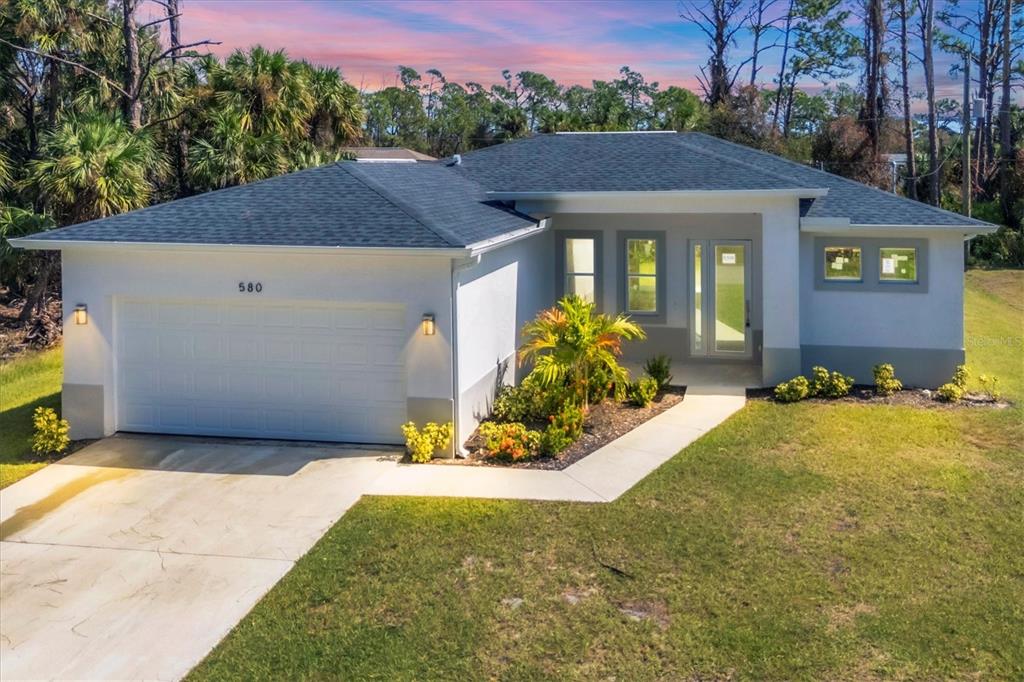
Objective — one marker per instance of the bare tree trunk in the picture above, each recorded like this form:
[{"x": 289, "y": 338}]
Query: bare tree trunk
[
  {"x": 1005, "y": 139},
  {"x": 908, "y": 123},
  {"x": 180, "y": 143},
  {"x": 927, "y": 9},
  {"x": 873, "y": 110},
  {"x": 131, "y": 102},
  {"x": 981, "y": 134},
  {"x": 35, "y": 295},
  {"x": 782, "y": 68}
]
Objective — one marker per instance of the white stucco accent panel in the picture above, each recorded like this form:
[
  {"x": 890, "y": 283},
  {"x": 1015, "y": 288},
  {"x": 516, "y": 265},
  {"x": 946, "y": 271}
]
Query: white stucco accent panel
[
  {"x": 892, "y": 319},
  {"x": 97, "y": 277},
  {"x": 494, "y": 298},
  {"x": 781, "y": 268}
]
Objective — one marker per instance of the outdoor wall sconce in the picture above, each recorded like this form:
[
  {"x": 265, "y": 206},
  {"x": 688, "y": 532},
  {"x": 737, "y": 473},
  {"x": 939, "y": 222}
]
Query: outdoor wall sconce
[
  {"x": 428, "y": 324},
  {"x": 81, "y": 314}
]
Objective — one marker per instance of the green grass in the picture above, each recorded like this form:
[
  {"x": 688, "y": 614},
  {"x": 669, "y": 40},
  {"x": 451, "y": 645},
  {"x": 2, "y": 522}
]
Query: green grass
[
  {"x": 28, "y": 381},
  {"x": 807, "y": 541}
]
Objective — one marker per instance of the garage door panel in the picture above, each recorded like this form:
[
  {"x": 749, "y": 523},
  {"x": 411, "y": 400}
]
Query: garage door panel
[{"x": 309, "y": 371}]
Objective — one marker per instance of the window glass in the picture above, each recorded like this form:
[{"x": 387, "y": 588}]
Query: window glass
[
  {"x": 642, "y": 275},
  {"x": 580, "y": 268},
  {"x": 698, "y": 300},
  {"x": 842, "y": 263},
  {"x": 897, "y": 264}
]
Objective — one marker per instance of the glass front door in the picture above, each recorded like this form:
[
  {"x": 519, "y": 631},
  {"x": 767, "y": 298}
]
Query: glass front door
[{"x": 720, "y": 298}]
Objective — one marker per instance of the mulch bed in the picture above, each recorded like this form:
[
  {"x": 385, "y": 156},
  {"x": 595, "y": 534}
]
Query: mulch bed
[
  {"x": 18, "y": 337},
  {"x": 606, "y": 422},
  {"x": 911, "y": 397}
]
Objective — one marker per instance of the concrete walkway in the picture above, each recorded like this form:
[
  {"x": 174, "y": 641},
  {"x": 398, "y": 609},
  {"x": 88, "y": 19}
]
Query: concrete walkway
[
  {"x": 133, "y": 557},
  {"x": 601, "y": 476}
]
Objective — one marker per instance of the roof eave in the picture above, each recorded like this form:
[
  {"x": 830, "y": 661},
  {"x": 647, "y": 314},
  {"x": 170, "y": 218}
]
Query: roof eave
[
  {"x": 798, "y": 193},
  {"x": 56, "y": 245},
  {"x": 486, "y": 245},
  {"x": 844, "y": 225}
]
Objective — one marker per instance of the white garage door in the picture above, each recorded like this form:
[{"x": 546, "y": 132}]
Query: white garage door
[{"x": 264, "y": 370}]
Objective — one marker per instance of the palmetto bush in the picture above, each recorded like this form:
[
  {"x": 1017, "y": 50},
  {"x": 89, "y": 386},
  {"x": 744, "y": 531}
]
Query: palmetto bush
[{"x": 569, "y": 342}]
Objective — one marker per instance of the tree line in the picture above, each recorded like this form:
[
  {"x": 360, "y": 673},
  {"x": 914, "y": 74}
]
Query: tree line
[{"x": 102, "y": 111}]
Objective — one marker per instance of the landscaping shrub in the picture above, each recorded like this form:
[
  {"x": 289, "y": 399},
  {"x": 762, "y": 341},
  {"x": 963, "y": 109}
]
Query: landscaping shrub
[
  {"x": 566, "y": 428},
  {"x": 423, "y": 444},
  {"x": 949, "y": 393},
  {"x": 792, "y": 391},
  {"x": 990, "y": 386},
  {"x": 886, "y": 382},
  {"x": 829, "y": 385},
  {"x": 659, "y": 368},
  {"x": 960, "y": 376},
  {"x": 511, "y": 442},
  {"x": 568, "y": 342},
  {"x": 528, "y": 402},
  {"x": 51, "y": 432},
  {"x": 600, "y": 385},
  {"x": 642, "y": 391}
]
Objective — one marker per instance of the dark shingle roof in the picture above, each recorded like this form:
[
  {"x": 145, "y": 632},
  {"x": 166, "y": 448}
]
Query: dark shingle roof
[
  {"x": 442, "y": 205},
  {"x": 614, "y": 162},
  {"x": 861, "y": 204},
  {"x": 422, "y": 205}
]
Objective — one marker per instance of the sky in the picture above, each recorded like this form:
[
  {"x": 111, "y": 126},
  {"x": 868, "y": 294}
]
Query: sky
[{"x": 572, "y": 41}]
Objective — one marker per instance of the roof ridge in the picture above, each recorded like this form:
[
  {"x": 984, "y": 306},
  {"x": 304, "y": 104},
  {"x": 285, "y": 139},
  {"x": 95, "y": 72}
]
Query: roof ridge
[
  {"x": 707, "y": 152},
  {"x": 860, "y": 185},
  {"x": 382, "y": 191}
]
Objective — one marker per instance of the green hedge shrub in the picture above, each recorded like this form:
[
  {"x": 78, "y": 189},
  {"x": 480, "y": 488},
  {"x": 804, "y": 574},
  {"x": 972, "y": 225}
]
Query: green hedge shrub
[
  {"x": 886, "y": 382},
  {"x": 423, "y": 444},
  {"x": 51, "y": 432},
  {"x": 949, "y": 393},
  {"x": 528, "y": 402},
  {"x": 792, "y": 391},
  {"x": 829, "y": 385},
  {"x": 659, "y": 368},
  {"x": 642, "y": 391}
]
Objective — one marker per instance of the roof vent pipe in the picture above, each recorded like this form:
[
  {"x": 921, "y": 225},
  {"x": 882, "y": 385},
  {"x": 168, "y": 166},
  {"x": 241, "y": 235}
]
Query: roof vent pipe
[{"x": 457, "y": 159}]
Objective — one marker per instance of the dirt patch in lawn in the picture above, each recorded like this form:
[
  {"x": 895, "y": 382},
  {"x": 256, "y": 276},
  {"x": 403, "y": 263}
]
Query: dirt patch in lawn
[
  {"x": 911, "y": 397},
  {"x": 17, "y": 337},
  {"x": 606, "y": 422}
]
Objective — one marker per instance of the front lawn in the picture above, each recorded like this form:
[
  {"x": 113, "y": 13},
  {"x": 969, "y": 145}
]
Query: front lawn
[
  {"x": 26, "y": 382},
  {"x": 812, "y": 541}
]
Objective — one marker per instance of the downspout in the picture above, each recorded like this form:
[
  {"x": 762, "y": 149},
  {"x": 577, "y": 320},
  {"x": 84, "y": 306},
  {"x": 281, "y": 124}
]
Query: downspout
[{"x": 456, "y": 268}]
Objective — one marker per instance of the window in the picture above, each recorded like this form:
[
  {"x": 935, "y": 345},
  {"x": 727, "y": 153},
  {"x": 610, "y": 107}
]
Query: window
[
  {"x": 641, "y": 275},
  {"x": 897, "y": 264},
  {"x": 581, "y": 268},
  {"x": 842, "y": 263}
]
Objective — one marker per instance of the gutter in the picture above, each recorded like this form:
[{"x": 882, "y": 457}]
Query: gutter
[
  {"x": 844, "y": 225},
  {"x": 482, "y": 247},
  {"x": 801, "y": 193},
  {"x": 58, "y": 244},
  {"x": 456, "y": 268}
]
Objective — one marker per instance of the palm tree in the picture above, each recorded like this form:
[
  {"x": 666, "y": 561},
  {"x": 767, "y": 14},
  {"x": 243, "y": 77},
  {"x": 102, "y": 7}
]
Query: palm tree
[
  {"x": 229, "y": 154},
  {"x": 92, "y": 166},
  {"x": 569, "y": 341},
  {"x": 270, "y": 92},
  {"x": 337, "y": 114}
]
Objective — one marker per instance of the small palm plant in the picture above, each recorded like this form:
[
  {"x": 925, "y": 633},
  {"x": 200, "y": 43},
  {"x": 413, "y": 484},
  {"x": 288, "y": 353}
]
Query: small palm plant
[{"x": 569, "y": 341}]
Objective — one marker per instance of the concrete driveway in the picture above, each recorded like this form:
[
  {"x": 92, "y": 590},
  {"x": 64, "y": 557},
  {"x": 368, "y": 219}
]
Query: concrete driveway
[{"x": 133, "y": 557}]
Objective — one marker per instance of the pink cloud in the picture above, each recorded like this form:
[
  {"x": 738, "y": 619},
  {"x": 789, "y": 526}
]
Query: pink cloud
[{"x": 463, "y": 42}]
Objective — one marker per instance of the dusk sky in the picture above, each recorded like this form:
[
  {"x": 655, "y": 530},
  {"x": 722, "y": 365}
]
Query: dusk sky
[{"x": 574, "y": 42}]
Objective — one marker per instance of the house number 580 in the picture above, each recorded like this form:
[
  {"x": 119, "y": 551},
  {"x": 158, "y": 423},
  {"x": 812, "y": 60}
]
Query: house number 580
[{"x": 250, "y": 287}]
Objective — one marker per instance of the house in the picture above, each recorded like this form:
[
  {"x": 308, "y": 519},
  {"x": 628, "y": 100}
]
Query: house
[
  {"x": 338, "y": 302},
  {"x": 385, "y": 154}
]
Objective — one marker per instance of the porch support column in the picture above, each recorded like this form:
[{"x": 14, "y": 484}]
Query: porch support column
[{"x": 780, "y": 288}]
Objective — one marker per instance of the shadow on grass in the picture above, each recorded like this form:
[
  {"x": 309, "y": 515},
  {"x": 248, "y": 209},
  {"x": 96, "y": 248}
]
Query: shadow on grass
[{"x": 16, "y": 430}]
